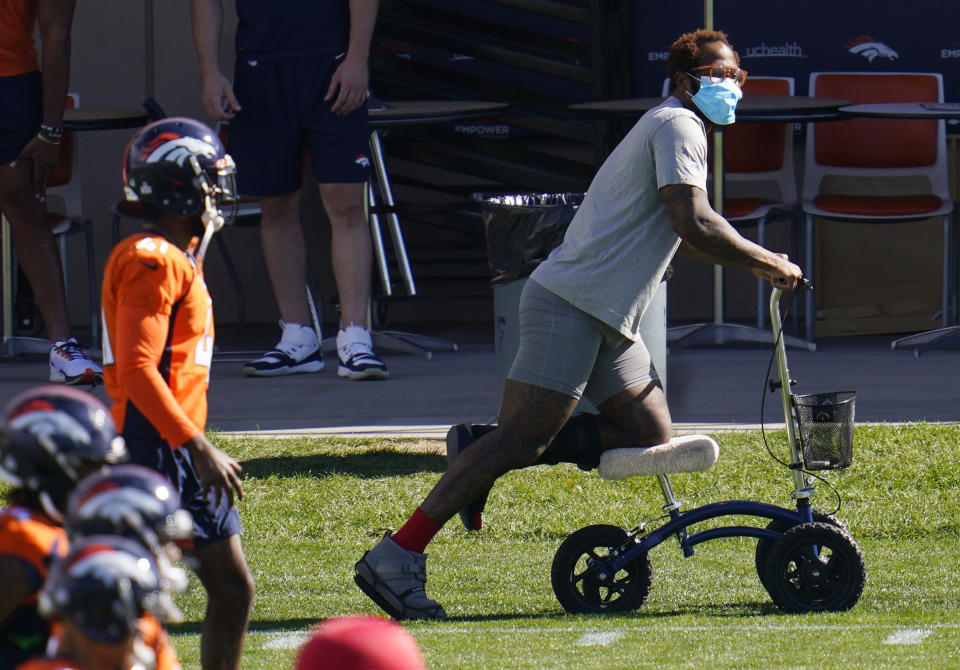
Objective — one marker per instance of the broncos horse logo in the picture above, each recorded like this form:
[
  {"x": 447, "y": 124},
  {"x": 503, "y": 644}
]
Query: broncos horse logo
[
  {"x": 869, "y": 48},
  {"x": 176, "y": 148}
]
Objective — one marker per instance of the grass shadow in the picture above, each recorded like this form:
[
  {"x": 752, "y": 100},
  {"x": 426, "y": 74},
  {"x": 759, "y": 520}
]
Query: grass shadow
[{"x": 365, "y": 465}]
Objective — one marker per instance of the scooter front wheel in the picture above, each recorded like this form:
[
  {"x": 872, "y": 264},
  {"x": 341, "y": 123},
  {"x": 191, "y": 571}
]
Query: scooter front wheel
[
  {"x": 583, "y": 583},
  {"x": 763, "y": 545},
  {"x": 815, "y": 567}
]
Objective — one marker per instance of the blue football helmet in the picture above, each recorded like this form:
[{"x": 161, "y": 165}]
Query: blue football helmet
[{"x": 51, "y": 437}]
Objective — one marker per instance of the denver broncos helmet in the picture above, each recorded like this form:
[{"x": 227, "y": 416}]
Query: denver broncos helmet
[
  {"x": 131, "y": 501},
  {"x": 51, "y": 437},
  {"x": 179, "y": 166},
  {"x": 104, "y": 585},
  {"x": 137, "y": 503}
]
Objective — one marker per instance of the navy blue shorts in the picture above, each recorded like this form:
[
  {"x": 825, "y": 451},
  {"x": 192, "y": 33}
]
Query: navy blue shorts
[
  {"x": 21, "y": 110},
  {"x": 283, "y": 112},
  {"x": 211, "y": 522}
]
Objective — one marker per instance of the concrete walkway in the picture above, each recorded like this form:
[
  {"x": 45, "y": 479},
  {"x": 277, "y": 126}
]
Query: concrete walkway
[{"x": 708, "y": 389}]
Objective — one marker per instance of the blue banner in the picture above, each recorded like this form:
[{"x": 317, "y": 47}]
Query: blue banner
[{"x": 780, "y": 38}]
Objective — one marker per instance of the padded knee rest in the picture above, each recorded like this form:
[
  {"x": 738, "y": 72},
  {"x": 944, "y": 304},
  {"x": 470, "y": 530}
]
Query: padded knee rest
[{"x": 689, "y": 453}]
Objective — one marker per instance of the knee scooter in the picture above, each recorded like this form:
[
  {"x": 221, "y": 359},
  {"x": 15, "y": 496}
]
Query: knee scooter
[{"x": 806, "y": 559}]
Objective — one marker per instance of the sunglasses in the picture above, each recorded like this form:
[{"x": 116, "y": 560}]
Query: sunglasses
[{"x": 718, "y": 73}]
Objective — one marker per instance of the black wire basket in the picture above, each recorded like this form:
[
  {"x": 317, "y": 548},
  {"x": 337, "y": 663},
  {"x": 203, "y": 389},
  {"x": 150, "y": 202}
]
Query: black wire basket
[{"x": 825, "y": 425}]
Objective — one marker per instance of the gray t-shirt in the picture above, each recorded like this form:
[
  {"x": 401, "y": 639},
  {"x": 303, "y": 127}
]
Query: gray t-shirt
[{"x": 620, "y": 242}]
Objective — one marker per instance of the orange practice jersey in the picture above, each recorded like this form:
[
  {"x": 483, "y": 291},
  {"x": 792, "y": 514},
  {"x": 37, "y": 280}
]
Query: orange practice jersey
[
  {"x": 156, "y": 653},
  {"x": 35, "y": 539},
  {"x": 154, "y": 637},
  {"x": 157, "y": 339},
  {"x": 18, "y": 55},
  {"x": 31, "y": 536}
]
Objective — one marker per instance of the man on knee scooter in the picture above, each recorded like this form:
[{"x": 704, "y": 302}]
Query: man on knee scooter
[{"x": 579, "y": 317}]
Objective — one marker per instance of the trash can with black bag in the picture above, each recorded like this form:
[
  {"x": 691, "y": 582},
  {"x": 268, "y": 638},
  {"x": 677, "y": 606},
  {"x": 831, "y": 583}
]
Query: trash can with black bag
[{"x": 521, "y": 231}]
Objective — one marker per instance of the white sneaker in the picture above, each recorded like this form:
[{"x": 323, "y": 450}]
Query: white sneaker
[
  {"x": 69, "y": 364},
  {"x": 297, "y": 351},
  {"x": 357, "y": 360}
]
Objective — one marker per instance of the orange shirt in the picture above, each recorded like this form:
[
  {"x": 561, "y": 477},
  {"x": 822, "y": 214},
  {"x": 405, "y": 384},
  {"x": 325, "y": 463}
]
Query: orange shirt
[
  {"x": 31, "y": 536},
  {"x": 49, "y": 664},
  {"x": 157, "y": 337},
  {"x": 153, "y": 649},
  {"x": 18, "y": 55},
  {"x": 154, "y": 636}
]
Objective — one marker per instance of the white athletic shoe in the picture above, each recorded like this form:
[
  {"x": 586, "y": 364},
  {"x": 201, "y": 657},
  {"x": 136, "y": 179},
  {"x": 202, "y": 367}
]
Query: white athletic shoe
[
  {"x": 297, "y": 351},
  {"x": 357, "y": 360},
  {"x": 69, "y": 364}
]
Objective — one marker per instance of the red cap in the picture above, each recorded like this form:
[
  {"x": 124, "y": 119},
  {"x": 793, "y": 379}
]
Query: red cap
[{"x": 360, "y": 643}]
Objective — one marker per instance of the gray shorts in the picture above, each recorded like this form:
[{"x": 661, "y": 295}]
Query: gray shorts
[{"x": 564, "y": 349}]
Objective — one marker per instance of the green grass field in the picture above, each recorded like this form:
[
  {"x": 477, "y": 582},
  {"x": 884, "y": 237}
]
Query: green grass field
[{"x": 314, "y": 506}]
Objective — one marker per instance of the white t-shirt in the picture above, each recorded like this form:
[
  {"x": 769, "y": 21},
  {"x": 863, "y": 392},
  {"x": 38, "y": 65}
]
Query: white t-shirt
[{"x": 619, "y": 243}]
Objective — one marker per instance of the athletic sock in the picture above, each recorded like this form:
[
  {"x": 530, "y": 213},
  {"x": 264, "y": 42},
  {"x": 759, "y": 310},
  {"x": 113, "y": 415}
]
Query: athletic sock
[
  {"x": 578, "y": 442},
  {"x": 417, "y": 532}
]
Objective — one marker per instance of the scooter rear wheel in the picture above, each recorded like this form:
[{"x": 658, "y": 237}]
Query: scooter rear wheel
[
  {"x": 815, "y": 567},
  {"x": 581, "y": 581}
]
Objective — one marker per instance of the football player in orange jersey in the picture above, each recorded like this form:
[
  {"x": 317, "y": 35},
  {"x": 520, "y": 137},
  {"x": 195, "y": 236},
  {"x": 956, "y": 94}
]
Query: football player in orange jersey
[
  {"x": 140, "y": 504},
  {"x": 99, "y": 593},
  {"x": 157, "y": 350},
  {"x": 50, "y": 437}
]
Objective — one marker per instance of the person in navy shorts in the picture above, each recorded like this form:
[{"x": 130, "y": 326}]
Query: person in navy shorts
[
  {"x": 33, "y": 94},
  {"x": 300, "y": 88}
]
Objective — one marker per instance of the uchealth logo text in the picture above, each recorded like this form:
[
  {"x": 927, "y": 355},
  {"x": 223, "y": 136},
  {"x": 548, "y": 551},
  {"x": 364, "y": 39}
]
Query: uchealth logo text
[
  {"x": 871, "y": 49},
  {"x": 785, "y": 50}
]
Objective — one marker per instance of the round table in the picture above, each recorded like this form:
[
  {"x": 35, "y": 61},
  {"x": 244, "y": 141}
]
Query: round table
[
  {"x": 753, "y": 108},
  {"x": 904, "y": 110},
  {"x": 430, "y": 111},
  {"x": 103, "y": 118}
]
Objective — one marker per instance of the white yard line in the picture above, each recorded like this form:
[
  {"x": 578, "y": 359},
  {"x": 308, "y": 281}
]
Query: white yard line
[
  {"x": 598, "y": 639},
  {"x": 283, "y": 636},
  {"x": 907, "y": 636},
  {"x": 285, "y": 640}
]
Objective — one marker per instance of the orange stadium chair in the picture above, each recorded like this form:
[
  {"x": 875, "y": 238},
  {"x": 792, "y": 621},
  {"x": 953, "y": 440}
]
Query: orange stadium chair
[{"x": 874, "y": 151}]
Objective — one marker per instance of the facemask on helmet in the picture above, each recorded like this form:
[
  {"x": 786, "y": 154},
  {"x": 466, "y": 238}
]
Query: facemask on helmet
[
  {"x": 104, "y": 585},
  {"x": 139, "y": 504},
  {"x": 179, "y": 166}
]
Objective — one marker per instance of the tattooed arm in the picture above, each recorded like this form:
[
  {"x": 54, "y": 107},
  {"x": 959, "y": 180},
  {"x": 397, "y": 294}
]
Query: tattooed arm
[{"x": 706, "y": 235}]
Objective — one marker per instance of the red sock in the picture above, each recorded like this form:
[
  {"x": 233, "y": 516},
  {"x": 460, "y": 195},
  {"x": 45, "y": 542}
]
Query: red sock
[{"x": 417, "y": 532}]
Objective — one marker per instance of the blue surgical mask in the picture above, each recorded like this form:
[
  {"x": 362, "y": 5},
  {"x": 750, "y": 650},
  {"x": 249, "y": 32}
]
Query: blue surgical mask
[{"x": 718, "y": 100}]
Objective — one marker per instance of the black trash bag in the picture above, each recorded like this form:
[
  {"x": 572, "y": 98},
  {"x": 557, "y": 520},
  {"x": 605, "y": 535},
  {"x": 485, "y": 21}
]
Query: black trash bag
[{"x": 523, "y": 229}]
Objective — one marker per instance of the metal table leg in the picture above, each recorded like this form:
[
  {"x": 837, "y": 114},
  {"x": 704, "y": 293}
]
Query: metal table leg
[
  {"x": 13, "y": 345},
  {"x": 379, "y": 187}
]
